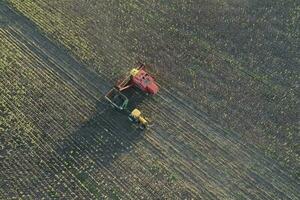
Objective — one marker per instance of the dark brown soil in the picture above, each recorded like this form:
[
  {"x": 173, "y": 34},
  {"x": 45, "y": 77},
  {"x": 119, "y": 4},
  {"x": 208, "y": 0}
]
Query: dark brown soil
[{"x": 213, "y": 119}]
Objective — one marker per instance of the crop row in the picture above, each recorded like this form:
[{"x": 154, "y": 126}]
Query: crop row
[
  {"x": 220, "y": 83},
  {"x": 49, "y": 99},
  {"x": 196, "y": 151},
  {"x": 168, "y": 149}
]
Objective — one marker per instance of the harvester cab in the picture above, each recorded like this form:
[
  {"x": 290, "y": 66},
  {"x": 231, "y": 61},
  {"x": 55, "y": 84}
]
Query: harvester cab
[{"x": 138, "y": 78}]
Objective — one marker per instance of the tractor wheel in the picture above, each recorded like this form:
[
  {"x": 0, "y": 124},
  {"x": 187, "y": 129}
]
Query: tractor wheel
[{"x": 142, "y": 127}]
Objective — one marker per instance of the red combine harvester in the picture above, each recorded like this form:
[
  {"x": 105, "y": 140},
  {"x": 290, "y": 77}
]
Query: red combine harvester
[{"x": 139, "y": 78}]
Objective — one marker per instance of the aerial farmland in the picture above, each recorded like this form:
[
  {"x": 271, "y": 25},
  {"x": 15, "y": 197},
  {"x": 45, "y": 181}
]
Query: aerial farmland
[{"x": 223, "y": 122}]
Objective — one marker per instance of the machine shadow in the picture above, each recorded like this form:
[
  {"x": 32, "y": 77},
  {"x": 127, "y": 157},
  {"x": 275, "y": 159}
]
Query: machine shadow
[{"x": 104, "y": 137}]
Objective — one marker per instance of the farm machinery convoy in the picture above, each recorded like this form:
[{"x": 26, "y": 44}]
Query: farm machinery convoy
[{"x": 118, "y": 96}]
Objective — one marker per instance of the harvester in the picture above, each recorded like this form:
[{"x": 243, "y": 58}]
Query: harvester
[{"x": 137, "y": 78}]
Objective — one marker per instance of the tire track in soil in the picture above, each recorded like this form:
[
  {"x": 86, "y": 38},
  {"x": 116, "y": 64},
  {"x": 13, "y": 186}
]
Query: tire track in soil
[
  {"x": 234, "y": 139},
  {"x": 196, "y": 152},
  {"x": 187, "y": 139}
]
